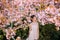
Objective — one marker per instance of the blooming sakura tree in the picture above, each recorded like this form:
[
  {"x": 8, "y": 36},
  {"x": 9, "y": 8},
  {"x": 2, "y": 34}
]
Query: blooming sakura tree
[
  {"x": 50, "y": 10},
  {"x": 14, "y": 11}
]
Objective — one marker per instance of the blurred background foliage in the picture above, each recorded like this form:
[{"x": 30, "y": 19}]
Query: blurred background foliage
[
  {"x": 47, "y": 32},
  {"x": 2, "y": 35}
]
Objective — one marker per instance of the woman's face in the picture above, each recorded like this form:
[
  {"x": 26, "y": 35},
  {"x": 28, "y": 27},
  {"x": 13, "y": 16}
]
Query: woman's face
[{"x": 34, "y": 19}]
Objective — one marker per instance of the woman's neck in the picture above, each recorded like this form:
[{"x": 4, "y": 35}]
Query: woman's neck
[{"x": 34, "y": 21}]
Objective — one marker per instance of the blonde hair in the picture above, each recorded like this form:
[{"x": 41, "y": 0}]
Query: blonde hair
[{"x": 18, "y": 38}]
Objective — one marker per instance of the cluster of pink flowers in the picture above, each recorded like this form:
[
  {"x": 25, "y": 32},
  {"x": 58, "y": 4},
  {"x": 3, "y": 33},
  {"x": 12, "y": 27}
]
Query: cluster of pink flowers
[
  {"x": 21, "y": 8},
  {"x": 51, "y": 15}
]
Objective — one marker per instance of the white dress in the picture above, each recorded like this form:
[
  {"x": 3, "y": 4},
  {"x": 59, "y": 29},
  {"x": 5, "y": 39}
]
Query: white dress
[{"x": 34, "y": 31}]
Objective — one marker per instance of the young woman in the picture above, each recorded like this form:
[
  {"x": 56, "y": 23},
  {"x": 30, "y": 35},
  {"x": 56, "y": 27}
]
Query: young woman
[{"x": 33, "y": 29}]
